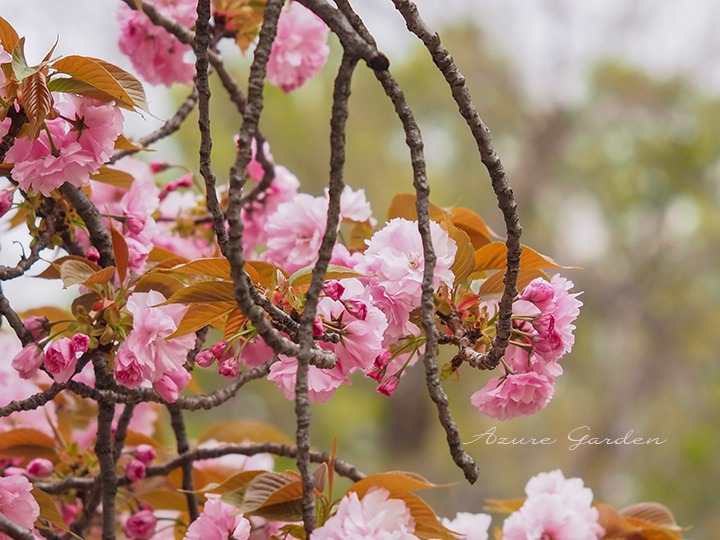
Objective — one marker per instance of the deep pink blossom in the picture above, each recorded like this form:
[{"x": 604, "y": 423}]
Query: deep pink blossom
[
  {"x": 157, "y": 55},
  {"x": 28, "y": 360},
  {"x": 135, "y": 470},
  {"x": 229, "y": 368},
  {"x": 218, "y": 521},
  {"x": 469, "y": 526},
  {"x": 141, "y": 525},
  {"x": 375, "y": 516},
  {"x": 83, "y": 139},
  {"x": 205, "y": 358},
  {"x": 40, "y": 468},
  {"x": 61, "y": 359},
  {"x": 145, "y": 453},
  {"x": 333, "y": 289},
  {"x": 17, "y": 503},
  {"x": 6, "y": 200},
  {"x": 300, "y": 48},
  {"x": 389, "y": 385},
  {"x": 516, "y": 395}
]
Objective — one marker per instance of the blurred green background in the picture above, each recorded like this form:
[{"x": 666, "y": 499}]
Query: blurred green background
[{"x": 624, "y": 183}]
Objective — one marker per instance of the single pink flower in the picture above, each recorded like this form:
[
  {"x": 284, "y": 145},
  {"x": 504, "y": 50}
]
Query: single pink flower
[
  {"x": 517, "y": 395},
  {"x": 16, "y": 502},
  {"x": 39, "y": 326},
  {"x": 157, "y": 55},
  {"x": 218, "y": 521},
  {"x": 470, "y": 526},
  {"x": 6, "y": 199},
  {"x": 205, "y": 358},
  {"x": 61, "y": 359},
  {"x": 389, "y": 385},
  {"x": 141, "y": 525},
  {"x": 300, "y": 48},
  {"x": 376, "y": 516},
  {"x": 28, "y": 360},
  {"x": 229, "y": 368},
  {"x": 322, "y": 383},
  {"x": 40, "y": 468},
  {"x": 171, "y": 384},
  {"x": 547, "y": 516},
  {"x": 135, "y": 470},
  {"x": 92, "y": 254},
  {"x": 81, "y": 342},
  {"x": 334, "y": 289}
]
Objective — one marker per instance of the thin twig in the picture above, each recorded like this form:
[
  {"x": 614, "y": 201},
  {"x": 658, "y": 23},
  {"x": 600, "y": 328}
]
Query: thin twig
[{"x": 178, "y": 425}]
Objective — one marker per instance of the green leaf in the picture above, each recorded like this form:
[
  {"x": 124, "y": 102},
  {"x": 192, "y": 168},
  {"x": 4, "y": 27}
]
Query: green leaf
[
  {"x": 113, "y": 177},
  {"x": 8, "y": 36},
  {"x": 199, "y": 316},
  {"x": 240, "y": 431},
  {"x": 304, "y": 275},
  {"x": 129, "y": 83},
  {"x": 205, "y": 292},
  {"x": 19, "y": 63}
]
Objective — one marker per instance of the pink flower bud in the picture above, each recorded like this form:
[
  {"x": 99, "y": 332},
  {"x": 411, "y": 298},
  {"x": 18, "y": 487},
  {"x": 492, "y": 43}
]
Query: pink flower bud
[
  {"x": 60, "y": 359},
  {"x": 318, "y": 327},
  {"x": 92, "y": 254},
  {"x": 377, "y": 373},
  {"x": 171, "y": 384},
  {"x": 135, "y": 222},
  {"x": 158, "y": 166},
  {"x": 38, "y": 326},
  {"x": 357, "y": 308},
  {"x": 28, "y": 360},
  {"x": 229, "y": 368},
  {"x": 220, "y": 351},
  {"x": 205, "y": 358},
  {"x": 539, "y": 292},
  {"x": 135, "y": 470},
  {"x": 334, "y": 289},
  {"x": 183, "y": 182},
  {"x": 145, "y": 453},
  {"x": 81, "y": 342},
  {"x": 140, "y": 525},
  {"x": 389, "y": 385},
  {"x": 6, "y": 198},
  {"x": 40, "y": 468}
]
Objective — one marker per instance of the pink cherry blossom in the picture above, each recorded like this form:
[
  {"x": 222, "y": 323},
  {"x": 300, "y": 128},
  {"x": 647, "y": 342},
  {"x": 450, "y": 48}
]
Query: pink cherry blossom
[
  {"x": 469, "y": 526},
  {"x": 141, "y": 525},
  {"x": 300, "y": 48},
  {"x": 218, "y": 521},
  {"x": 205, "y": 358},
  {"x": 354, "y": 205},
  {"x": 40, "y": 468},
  {"x": 171, "y": 384},
  {"x": 375, "y": 516},
  {"x": 333, "y": 289},
  {"x": 6, "y": 200},
  {"x": 157, "y": 55},
  {"x": 17, "y": 503},
  {"x": 322, "y": 383},
  {"x": 145, "y": 453},
  {"x": 61, "y": 359},
  {"x": 28, "y": 360},
  {"x": 516, "y": 395},
  {"x": 135, "y": 470},
  {"x": 39, "y": 326},
  {"x": 572, "y": 491},
  {"x": 546, "y": 516},
  {"x": 83, "y": 139}
]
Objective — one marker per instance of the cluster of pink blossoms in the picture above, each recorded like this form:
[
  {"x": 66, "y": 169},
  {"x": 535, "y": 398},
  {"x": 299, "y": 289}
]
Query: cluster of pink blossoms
[
  {"x": 59, "y": 358},
  {"x": 73, "y": 147},
  {"x": 545, "y": 312}
]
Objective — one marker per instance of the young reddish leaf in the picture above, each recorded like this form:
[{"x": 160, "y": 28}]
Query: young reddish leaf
[
  {"x": 359, "y": 233},
  {"x": 304, "y": 275},
  {"x": 155, "y": 281},
  {"x": 205, "y": 292},
  {"x": 264, "y": 271},
  {"x": 273, "y": 495},
  {"x": 123, "y": 143},
  {"x": 394, "y": 482},
  {"x": 113, "y": 177},
  {"x": 74, "y": 272},
  {"x": 27, "y": 443},
  {"x": 478, "y": 231},
  {"x": 129, "y": 83},
  {"x": 175, "y": 478},
  {"x": 120, "y": 251},
  {"x": 102, "y": 277},
  {"x": 48, "y": 510},
  {"x": 164, "y": 499},
  {"x": 95, "y": 73},
  {"x": 614, "y": 524},
  {"x": 36, "y": 100},
  {"x": 242, "y": 431},
  {"x": 243, "y": 17},
  {"x": 493, "y": 257},
  {"x": 233, "y": 324},
  {"x": 403, "y": 206},
  {"x": 199, "y": 316},
  {"x": 53, "y": 271},
  {"x": 464, "y": 261},
  {"x": 504, "y": 506},
  {"x": 236, "y": 484},
  {"x": 427, "y": 524},
  {"x": 217, "y": 267},
  {"x": 494, "y": 284},
  {"x": 8, "y": 36},
  {"x": 165, "y": 258},
  {"x": 651, "y": 512}
]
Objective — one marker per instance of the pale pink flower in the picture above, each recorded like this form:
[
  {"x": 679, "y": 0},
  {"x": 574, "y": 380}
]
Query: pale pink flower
[
  {"x": 516, "y": 395},
  {"x": 146, "y": 350},
  {"x": 571, "y": 491},
  {"x": 300, "y": 48},
  {"x": 82, "y": 144},
  {"x": 17, "y": 503},
  {"x": 141, "y": 525},
  {"x": 6, "y": 200},
  {"x": 40, "y": 468},
  {"x": 256, "y": 352},
  {"x": 322, "y": 383},
  {"x": 354, "y": 205},
  {"x": 218, "y": 521},
  {"x": 28, "y": 360},
  {"x": 375, "y": 516},
  {"x": 469, "y": 526},
  {"x": 157, "y": 55},
  {"x": 547, "y": 516}
]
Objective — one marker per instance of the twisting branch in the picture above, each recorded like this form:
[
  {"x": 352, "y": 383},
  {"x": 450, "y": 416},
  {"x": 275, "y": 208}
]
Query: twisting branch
[
  {"x": 506, "y": 200},
  {"x": 178, "y": 425},
  {"x": 99, "y": 234}
]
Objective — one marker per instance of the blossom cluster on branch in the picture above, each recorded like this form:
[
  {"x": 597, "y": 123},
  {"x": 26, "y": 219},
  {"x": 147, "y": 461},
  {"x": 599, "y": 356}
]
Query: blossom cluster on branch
[{"x": 254, "y": 279}]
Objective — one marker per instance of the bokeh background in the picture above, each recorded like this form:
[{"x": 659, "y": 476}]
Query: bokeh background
[{"x": 606, "y": 115}]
